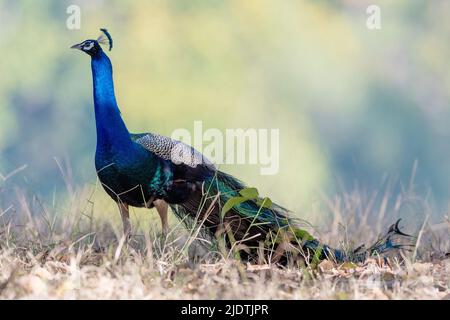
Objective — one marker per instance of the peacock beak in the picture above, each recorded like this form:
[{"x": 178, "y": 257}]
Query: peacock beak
[{"x": 77, "y": 46}]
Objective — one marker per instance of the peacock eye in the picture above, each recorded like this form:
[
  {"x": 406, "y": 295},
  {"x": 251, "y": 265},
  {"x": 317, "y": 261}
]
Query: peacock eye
[{"x": 88, "y": 46}]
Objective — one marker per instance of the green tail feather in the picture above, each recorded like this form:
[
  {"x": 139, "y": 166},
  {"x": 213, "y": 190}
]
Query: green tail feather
[{"x": 228, "y": 209}]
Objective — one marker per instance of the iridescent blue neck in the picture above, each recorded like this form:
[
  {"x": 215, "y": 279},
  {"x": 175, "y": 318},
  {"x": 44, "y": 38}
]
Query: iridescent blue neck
[{"x": 111, "y": 130}]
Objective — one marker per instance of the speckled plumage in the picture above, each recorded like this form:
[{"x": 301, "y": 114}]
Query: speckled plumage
[{"x": 173, "y": 150}]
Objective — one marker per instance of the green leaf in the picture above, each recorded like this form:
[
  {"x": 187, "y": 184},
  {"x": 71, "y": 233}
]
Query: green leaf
[
  {"x": 348, "y": 265},
  {"x": 316, "y": 258},
  {"x": 265, "y": 203},
  {"x": 231, "y": 203},
  {"x": 249, "y": 193},
  {"x": 303, "y": 235}
]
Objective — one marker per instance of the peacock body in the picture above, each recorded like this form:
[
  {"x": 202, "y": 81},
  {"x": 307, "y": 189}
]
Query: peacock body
[{"x": 149, "y": 170}]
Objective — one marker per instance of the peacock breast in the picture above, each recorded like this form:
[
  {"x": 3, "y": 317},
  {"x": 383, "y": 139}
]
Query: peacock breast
[{"x": 133, "y": 182}]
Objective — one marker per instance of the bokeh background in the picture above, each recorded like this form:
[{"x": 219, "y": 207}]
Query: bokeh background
[{"x": 356, "y": 108}]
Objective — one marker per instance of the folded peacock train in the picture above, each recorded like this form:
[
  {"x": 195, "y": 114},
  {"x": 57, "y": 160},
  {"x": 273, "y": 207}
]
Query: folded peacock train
[{"x": 150, "y": 170}]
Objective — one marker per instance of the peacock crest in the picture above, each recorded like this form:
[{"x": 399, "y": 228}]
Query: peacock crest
[{"x": 105, "y": 39}]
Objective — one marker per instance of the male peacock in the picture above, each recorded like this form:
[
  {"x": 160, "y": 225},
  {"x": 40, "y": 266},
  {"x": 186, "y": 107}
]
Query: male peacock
[{"x": 149, "y": 170}]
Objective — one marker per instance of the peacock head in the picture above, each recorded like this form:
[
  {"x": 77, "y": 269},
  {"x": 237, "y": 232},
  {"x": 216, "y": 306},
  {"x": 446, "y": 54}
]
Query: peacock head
[{"x": 92, "y": 47}]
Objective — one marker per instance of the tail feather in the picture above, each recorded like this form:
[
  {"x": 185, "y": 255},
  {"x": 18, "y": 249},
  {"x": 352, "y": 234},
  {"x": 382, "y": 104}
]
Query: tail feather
[
  {"x": 248, "y": 224},
  {"x": 393, "y": 241},
  {"x": 390, "y": 244}
]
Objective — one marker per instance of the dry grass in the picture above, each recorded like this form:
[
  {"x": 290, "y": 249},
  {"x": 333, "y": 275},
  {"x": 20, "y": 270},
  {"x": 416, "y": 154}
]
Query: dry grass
[{"x": 75, "y": 251}]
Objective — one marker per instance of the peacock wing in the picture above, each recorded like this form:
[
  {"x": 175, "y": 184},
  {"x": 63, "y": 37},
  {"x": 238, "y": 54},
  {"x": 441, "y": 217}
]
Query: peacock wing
[{"x": 187, "y": 159}]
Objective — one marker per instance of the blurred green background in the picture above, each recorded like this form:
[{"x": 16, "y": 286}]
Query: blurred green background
[{"x": 353, "y": 105}]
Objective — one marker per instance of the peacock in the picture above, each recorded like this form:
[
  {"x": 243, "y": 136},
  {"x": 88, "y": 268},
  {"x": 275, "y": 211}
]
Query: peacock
[{"x": 153, "y": 171}]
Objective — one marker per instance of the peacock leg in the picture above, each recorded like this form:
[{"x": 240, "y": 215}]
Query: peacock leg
[
  {"x": 162, "y": 207},
  {"x": 125, "y": 214}
]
